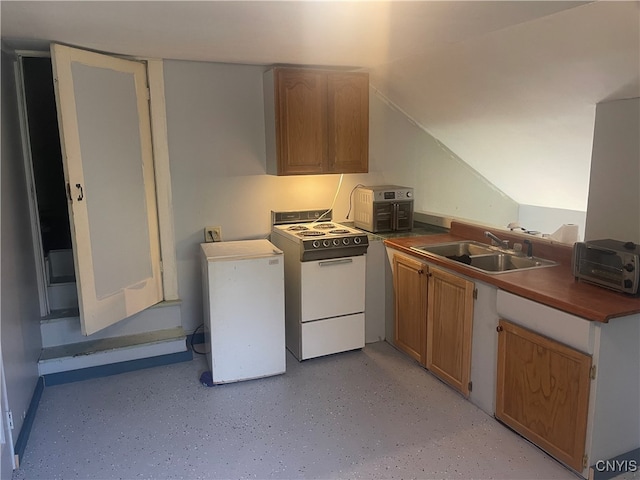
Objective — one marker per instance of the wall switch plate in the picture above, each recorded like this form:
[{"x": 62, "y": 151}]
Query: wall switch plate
[{"x": 212, "y": 234}]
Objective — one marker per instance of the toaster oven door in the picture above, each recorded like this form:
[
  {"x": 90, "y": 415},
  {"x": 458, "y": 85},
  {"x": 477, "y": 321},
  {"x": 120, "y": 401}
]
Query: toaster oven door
[
  {"x": 606, "y": 268},
  {"x": 392, "y": 216},
  {"x": 403, "y": 216}
]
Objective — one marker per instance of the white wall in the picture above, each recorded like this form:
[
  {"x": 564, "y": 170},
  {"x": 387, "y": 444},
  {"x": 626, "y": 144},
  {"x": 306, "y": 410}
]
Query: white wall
[
  {"x": 20, "y": 311},
  {"x": 548, "y": 220},
  {"x": 215, "y": 123},
  {"x": 613, "y": 209},
  {"x": 443, "y": 183}
]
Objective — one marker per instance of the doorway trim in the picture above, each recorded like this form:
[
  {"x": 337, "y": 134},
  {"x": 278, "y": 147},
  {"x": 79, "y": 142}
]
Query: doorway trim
[
  {"x": 158, "y": 112},
  {"x": 36, "y": 234}
]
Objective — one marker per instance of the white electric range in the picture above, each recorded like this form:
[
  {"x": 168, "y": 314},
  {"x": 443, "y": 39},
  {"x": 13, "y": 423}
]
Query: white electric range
[{"x": 325, "y": 270}]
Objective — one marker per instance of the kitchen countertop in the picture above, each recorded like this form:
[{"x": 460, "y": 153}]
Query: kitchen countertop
[
  {"x": 552, "y": 286},
  {"x": 419, "y": 229}
]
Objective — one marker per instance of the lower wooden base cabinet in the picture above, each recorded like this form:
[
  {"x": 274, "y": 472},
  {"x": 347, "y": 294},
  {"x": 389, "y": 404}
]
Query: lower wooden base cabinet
[
  {"x": 433, "y": 319},
  {"x": 410, "y": 287},
  {"x": 542, "y": 392},
  {"x": 449, "y": 328}
]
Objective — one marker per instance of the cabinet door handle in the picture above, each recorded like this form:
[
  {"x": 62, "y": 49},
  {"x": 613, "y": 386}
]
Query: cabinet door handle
[
  {"x": 420, "y": 272},
  {"x": 499, "y": 328}
]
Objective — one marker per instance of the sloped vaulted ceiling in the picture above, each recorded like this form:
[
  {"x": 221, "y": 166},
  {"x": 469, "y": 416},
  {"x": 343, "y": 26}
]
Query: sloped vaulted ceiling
[
  {"x": 518, "y": 104},
  {"x": 509, "y": 86}
]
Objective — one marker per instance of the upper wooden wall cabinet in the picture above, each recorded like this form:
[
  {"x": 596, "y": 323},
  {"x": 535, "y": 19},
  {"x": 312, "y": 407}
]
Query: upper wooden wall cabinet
[{"x": 317, "y": 121}]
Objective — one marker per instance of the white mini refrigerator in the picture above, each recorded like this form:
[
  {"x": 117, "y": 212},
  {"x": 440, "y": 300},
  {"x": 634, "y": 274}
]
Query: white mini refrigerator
[{"x": 243, "y": 295}]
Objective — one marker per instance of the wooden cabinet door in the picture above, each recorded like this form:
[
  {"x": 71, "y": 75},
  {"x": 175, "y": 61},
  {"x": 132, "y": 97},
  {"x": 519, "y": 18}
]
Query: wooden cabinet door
[
  {"x": 301, "y": 126},
  {"x": 316, "y": 121},
  {"x": 542, "y": 392},
  {"x": 449, "y": 325},
  {"x": 410, "y": 287},
  {"x": 348, "y": 122}
]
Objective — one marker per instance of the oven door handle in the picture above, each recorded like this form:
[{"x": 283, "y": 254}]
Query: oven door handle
[{"x": 340, "y": 261}]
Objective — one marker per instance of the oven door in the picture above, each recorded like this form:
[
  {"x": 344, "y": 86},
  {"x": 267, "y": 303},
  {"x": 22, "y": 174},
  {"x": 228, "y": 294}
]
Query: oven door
[
  {"x": 332, "y": 288},
  {"x": 403, "y": 216},
  {"x": 392, "y": 216},
  {"x": 382, "y": 218}
]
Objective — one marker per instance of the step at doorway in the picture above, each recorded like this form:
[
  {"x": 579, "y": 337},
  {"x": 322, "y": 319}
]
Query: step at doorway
[
  {"x": 62, "y": 291},
  {"x": 109, "y": 356}
]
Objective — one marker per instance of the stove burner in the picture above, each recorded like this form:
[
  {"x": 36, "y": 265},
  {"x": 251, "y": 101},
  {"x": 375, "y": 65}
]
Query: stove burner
[
  {"x": 339, "y": 231},
  {"x": 296, "y": 228},
  {"x": 324, "y": 226},
  {"x": 310, "y": 234}
]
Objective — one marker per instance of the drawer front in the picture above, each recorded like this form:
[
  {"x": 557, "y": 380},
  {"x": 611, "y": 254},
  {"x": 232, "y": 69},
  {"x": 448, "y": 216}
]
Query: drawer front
[{"x": 339, "y": 334}]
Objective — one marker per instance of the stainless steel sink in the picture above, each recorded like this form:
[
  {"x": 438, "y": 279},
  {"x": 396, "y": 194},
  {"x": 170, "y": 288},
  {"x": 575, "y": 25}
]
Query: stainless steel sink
[
  {"x": 485, "y": 258},
  {"x": 457, "y": 249}
]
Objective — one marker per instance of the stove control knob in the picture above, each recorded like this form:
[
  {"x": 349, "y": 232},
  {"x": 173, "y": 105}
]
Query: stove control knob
[
  {"x": 315, "y": 244},
  {"x": 409, "y": 194},
  {"x": 336, "y": 242},
  {"x": 326, "y": 243},
  {"x": 629, "y": 267},
  {"x": 345, "y": 241},
  {"x": 357, "y": 240}
]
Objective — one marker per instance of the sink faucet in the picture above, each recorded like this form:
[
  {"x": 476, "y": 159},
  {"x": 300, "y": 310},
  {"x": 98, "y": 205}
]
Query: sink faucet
[
  {"x": 529, "y": 245},
  {"x": 496, "y": 240}
]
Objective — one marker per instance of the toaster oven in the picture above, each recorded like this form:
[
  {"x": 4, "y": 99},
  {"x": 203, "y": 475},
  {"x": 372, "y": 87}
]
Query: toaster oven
[
  {"x": 609, "y": 263},
  {"x": 383, "y": 208}
]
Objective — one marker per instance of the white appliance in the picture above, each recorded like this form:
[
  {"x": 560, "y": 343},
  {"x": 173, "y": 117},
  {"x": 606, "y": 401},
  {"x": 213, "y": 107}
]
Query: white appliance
[
  {"x": 325, "y": 274},
  {"x": 243, "y": 284}
]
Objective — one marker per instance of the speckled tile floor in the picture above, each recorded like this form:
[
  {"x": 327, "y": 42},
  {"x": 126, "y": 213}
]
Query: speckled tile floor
[{"x": 365, "y": 414}]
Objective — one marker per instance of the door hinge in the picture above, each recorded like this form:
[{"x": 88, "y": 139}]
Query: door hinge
[
  {"x": 475, "y": 293},
  {"x": 161, "y": 266},
  {"x": 470, "y": 386},
  {"x": 10, "y": 419},
  {"x": 592, "y": 373},
  {"x": 585, "y": 461},
  {"x": 148, "y": 93}
]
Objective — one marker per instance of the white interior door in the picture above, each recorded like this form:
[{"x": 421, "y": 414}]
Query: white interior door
[{"x": 105, "y": 133}]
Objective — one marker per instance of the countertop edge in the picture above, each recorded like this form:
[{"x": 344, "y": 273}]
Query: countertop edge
[{"x": 547, "y": 286}]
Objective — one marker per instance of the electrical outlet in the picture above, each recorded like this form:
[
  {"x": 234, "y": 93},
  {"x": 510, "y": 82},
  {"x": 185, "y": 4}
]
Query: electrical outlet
[{"x": 213, "y": 234}]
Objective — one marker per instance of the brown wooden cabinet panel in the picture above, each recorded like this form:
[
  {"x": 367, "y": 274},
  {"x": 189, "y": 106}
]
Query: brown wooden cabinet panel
[
  {"x": 348, "y": 122},
  {"x": 410, "y": 287},
  {"x": 300, "y": 121},
  {"x": 542, "y": 391},
  {"x": 317, "y": 121},
  {"x": 449, "y": 328}
]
